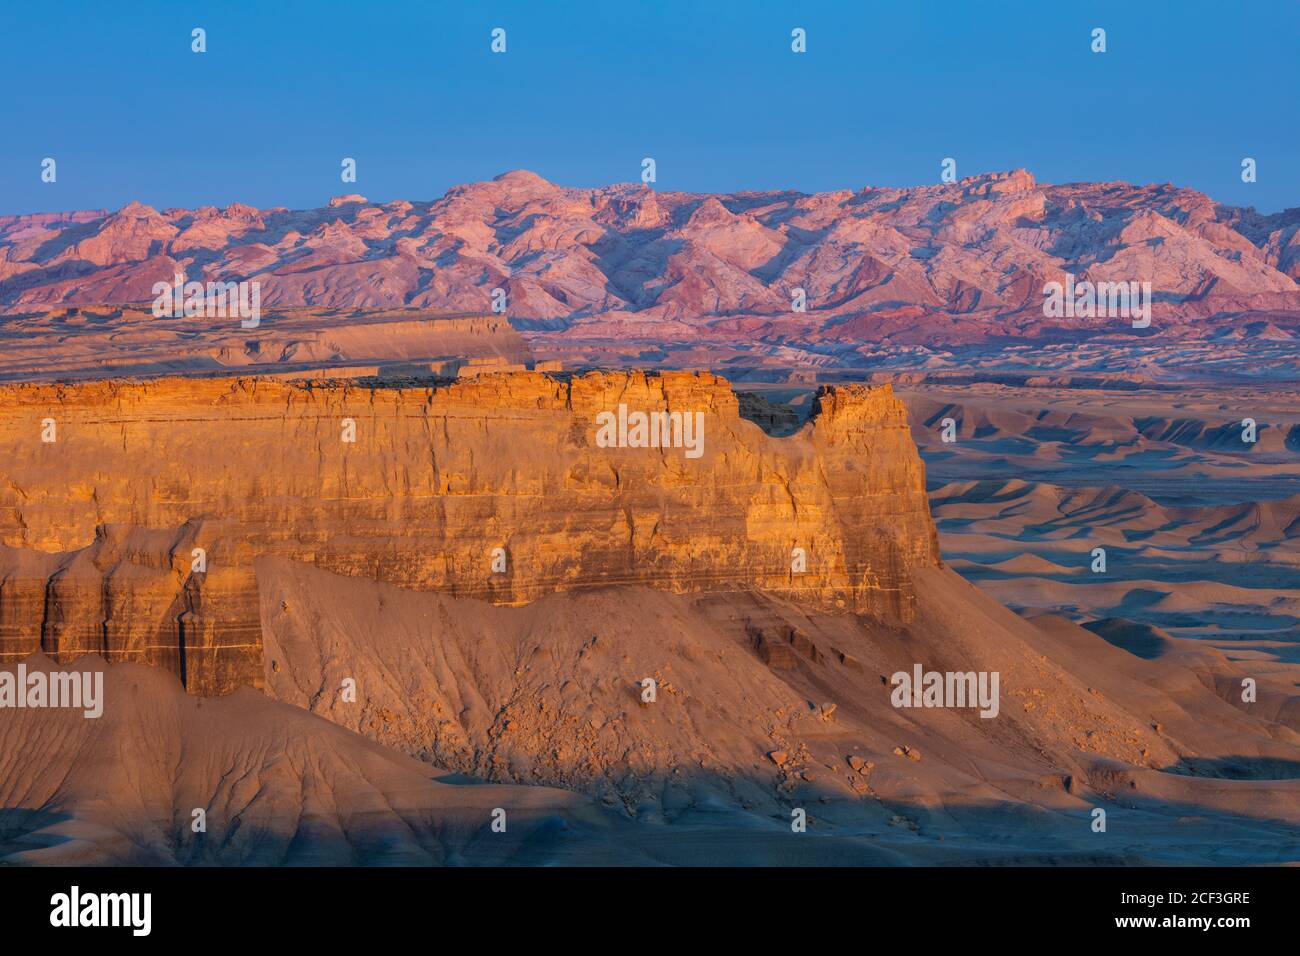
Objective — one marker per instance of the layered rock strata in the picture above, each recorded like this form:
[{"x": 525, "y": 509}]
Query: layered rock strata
[{"x": 132, "y": 515}]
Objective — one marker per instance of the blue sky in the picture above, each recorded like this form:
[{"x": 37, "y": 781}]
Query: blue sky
[{"x": 709, "y": 88}]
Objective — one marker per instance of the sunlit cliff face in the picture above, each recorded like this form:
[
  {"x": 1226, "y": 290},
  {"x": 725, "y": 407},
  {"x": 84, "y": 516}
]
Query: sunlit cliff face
[{"x": 134, "y": 518}]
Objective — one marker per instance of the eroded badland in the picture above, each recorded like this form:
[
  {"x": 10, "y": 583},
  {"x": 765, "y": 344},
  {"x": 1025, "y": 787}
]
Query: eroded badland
[{"x": 640, "y": 566}]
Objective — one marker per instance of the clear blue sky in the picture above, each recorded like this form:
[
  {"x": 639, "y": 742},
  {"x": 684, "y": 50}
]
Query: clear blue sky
[{"x": 709, "y": 88}]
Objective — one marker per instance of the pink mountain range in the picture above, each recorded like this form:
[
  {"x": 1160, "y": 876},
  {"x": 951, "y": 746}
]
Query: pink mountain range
[{"x": 955, "y": 262}]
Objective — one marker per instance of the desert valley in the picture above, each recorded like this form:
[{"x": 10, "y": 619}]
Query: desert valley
[{"x": 368, "y": 585}]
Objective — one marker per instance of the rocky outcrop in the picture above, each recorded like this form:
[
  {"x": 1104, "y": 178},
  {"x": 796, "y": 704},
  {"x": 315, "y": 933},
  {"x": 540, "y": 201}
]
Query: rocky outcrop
[{"x": 133, "y": 515}]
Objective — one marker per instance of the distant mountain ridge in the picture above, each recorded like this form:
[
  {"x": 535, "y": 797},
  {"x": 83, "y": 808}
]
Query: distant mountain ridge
[{"x": 949, "y": 262}]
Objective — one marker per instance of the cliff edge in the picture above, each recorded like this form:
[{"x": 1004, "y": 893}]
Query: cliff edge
[{"x": 133, "y": 515}]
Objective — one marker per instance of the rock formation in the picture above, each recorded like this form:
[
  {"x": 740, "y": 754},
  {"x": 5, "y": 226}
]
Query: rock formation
[{"x": 133, "y": 515}]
